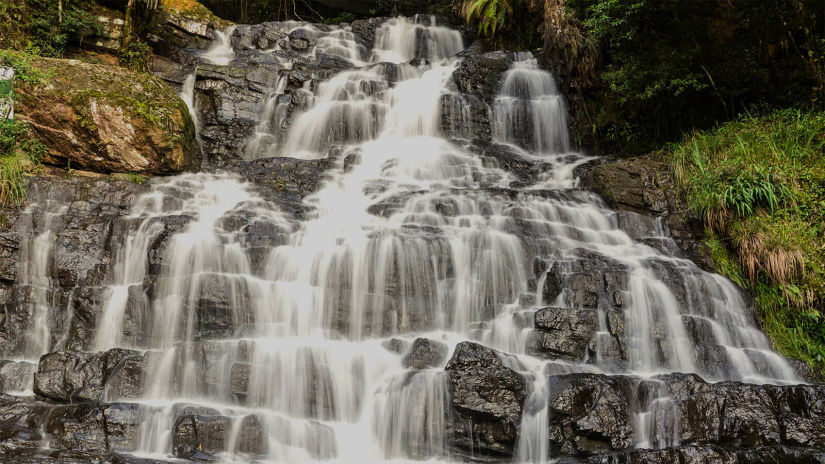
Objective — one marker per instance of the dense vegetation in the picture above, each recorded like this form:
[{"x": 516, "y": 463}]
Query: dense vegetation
[
  {"x": 19, "y": 151},
  {"x": 45, "y": 26},
  {"x": 759, "y": 182},
  {"x": 643, "y": 72}
]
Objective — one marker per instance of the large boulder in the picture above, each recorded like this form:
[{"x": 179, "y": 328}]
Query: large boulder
[
  {"x": 487, "y": 398},
  {"x": 93, "y": 428},
  {"x": 106, "y": 119},
  {"x": 563, "y": 333},
  {"x": 199, "y": 436},
  {"x": 480, "y": 74}
]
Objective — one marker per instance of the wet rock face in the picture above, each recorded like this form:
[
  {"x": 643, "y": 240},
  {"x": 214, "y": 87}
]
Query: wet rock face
[
  {"x": 645, "y": 185},
  {"x": 283, "y": 180},
  {"x": 594, "y": 414},
  {"x": 563, "y": 333},
  {"x": 230, "y": 100},
  {"x": 706, "y": 454},
  {"x": 583, "y": 285},
  {"x": 79, "y": 259},
  {"x": 479, "y": 75},
  {"x": 198, "y": 437},
  {"x": 487, "y": 398},
  {"x": 80, "y": 376}
]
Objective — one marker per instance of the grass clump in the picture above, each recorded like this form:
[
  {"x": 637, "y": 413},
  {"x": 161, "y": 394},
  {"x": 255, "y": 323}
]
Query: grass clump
[
  {"x": 19, "y": 153},
  {"x": 136, "y": 178},
  {"x": 759, "y": 184}
]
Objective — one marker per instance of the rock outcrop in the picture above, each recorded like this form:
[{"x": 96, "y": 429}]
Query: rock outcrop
[
  {"x": 645, "y": 185},
  {"x": 74, "y": 376},
  {"x": 487, "y": 398},
  {"x": 106, "y": 119},
  {"x": 596, "y": 414}
]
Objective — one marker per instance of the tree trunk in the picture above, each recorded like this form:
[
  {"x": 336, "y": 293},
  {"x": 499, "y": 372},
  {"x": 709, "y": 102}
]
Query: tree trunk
[{"x": 128, "y": 27}]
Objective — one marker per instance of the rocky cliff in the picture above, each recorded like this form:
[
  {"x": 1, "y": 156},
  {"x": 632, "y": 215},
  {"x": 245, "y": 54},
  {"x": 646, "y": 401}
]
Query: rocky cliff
[{"x": 514, "y": 314}]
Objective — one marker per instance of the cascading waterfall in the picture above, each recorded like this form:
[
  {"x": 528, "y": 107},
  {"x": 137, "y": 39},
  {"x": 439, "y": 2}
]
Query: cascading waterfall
[
  {"x": 530, "y": 108},
  {"x": 36, "y": 280},
  {"x": 412, "y": 235},
  {"x": 266, "y": 136},
  {"x": 187, "y": 94},
  {"x": 221, "y": 51}
]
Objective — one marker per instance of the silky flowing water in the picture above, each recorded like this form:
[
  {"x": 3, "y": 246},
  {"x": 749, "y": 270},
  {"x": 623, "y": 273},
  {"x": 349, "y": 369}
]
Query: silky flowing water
[{"x": 410, "y": 235}]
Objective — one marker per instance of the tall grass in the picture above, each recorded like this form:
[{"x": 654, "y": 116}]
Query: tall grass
[
  {"x": 19, "y": 153},
  {"x": 759, "y": 183}
]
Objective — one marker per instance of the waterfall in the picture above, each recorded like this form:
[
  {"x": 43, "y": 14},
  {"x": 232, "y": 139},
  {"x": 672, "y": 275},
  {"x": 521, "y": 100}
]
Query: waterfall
[
  {"x": 221, "y": 51},
  {"x": 187, "y": 94},
  {"x": 36, "y": 280},
  {"x": 530, "y": 109},
  {"x": 288, "y": 335}
]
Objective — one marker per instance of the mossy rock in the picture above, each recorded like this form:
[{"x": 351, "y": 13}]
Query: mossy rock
[
  {"x": 194, "y": 11},
  {"x": 107, "y": 119}
]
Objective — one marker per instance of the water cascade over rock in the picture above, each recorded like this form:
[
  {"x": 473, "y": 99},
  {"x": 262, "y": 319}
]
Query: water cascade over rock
[{"x": 395, "y": 265}]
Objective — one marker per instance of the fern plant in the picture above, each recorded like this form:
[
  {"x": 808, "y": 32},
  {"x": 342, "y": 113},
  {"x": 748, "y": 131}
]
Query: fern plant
[{"x": 489, "y": 14}]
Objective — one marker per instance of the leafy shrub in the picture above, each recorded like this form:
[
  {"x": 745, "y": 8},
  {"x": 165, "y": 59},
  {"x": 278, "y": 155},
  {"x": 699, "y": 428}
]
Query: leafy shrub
[
  {"x": 51, "y": 30},
  {"x": 24, "y": 70},
  {"x": 666, "y": 67},
  {"x": 135, "y": 56},
  {"x": 488, "y": 14}
]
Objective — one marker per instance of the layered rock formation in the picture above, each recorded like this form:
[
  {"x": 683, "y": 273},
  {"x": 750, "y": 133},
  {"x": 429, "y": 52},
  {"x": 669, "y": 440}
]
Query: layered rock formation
[{"x": 284, "y": 309}]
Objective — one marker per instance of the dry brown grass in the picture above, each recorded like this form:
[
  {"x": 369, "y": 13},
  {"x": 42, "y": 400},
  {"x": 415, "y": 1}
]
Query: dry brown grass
[{"x": 780, "y": 264}]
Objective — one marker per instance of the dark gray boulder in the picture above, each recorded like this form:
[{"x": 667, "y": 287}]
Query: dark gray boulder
[
  {"x": 16, "y": 375},
  {"x": 199, "y": 437},
  {"x": 487, "y": 399},
  {"x": 563, "y": 333},
  {"x": 479, "y": 75}
]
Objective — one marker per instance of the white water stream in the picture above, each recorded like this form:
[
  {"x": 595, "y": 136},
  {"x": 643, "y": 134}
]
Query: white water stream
[{"x": 417, "y": 236}]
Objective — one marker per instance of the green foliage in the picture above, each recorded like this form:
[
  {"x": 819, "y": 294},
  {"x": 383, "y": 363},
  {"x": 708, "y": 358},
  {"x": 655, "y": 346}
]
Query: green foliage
[
  {"x": 18, "y": 152},
  {"x": 385, "y": 8},
  {"x": 759, "y": 182},
  {"x": 136, "y": 178},
  {"x": 51, "y": 30},
  {"x": 24, "y": 69},
  {"x": 135, "y": 56},
  {"x": 725, "y": 262},
  {"x": 510, "y": 24},
  {"x": 12, "y": 15},
  {"x": 667, "y": 67},
  {"x": 489, "y": 14},
  {"x": 750, "y": 190},
  {"x": 344, "y": 17}
]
